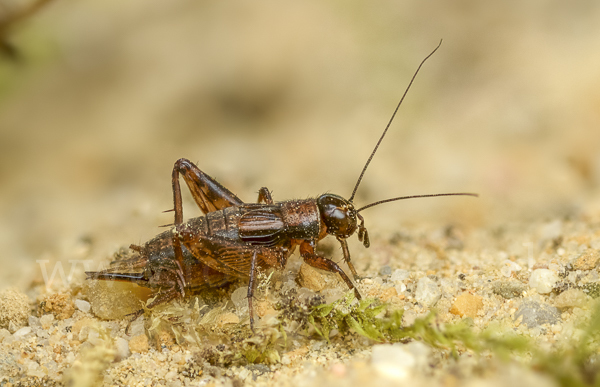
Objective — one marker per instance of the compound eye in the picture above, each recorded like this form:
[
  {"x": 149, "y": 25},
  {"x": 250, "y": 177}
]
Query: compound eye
[{"x": 338, "y": 215}]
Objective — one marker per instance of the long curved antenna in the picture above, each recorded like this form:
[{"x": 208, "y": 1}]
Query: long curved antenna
[
  {"x": 390, "y": 122},
  {"x": 413, "y": 197}
]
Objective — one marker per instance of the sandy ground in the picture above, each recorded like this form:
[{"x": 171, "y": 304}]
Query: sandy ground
[{"x": 293, "y": 96}]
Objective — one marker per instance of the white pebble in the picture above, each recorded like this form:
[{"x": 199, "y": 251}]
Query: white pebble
[
  {"x": 244, "y": 373},
  {"x": 171, "y": 375},
  {"x": 82, "y": 305},
  {"x": 509, "y": 267},
  {"x": 427, "y": 293},
  {"x": 34, "y": 369},
  {"x": 393, "y": 361},
  {"x": 46, "y": 320},
  {"x": 12, "y": 327},
  {"x": 22, "y": 333},
  {"x": 421, "y": 354},
  {"x": 34, "y": 322},
  {"x": 543, "y": 280},
  {"x": 399, "y": 275},
  {"x": 400, "y": 288}
]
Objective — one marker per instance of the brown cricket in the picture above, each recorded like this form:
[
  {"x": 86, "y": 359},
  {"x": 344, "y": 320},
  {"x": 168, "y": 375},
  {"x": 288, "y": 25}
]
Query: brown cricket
[{"x": 234, "y": 239}]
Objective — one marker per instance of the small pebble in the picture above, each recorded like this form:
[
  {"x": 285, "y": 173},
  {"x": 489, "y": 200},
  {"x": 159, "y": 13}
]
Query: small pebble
[
  {"x": 428, "y": 292},
  {"x": 508, "y": 289},
  {"x": 83, "y": 305},
  {"x": 534, "y": 313},
  {"x": 34, "y": 322},
  {"x": 571, "y": 298},
  {"x": 467, "y": 305},
  {"x": 387, "y": 294},
  {"x": 543, "y": 280},
  {"x": 400, "y": 288},
  {"x": 59, "y": 304},
  {"x": 587, "y": 261},
  {"x": 21, "y": 333},
  {"x": 46, "y": 320},
  {"x": 317, "y": 280},
  {"x": 393, "y": 361},
  {"x": 80, "y": 325},
  {"x": 139, "y": 344},
  {"x": 258, "y": 369},
  {"x": 12, "y": 327},
  {"x": 509, "y": 267},
  {"x": 122, "y": 348},
  {"x": 242, "y": 375},
  {"x": 385, "y": 270},
  {"x": 34, "y": 370},
  {"x": 164, "y": 339},
  {"x": 399, "y": 275}
]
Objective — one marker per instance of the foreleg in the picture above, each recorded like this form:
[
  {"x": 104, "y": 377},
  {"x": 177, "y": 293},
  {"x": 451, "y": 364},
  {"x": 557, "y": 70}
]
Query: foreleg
[
  {"x": 307, "y": 251},
  {"x": 346, "y": 253}
]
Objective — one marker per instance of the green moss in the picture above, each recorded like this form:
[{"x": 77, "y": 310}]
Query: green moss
[
  {"x": 592, "y": 289},
  {"x": 571, "y": 363},
  {"x": 346, "y": 314}
]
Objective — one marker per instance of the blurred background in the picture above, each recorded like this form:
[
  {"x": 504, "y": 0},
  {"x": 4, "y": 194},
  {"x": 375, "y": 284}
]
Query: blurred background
[{"x": 99, "y": 98}]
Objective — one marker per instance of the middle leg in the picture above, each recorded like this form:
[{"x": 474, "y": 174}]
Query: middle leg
[
  {"x": 264, "y": 196},
  {"x": 250, "y": 293}
]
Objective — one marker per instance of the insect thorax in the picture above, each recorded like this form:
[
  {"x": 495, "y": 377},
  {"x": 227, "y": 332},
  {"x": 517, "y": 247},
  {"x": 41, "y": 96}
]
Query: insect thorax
[{"x": 302, "y": 219}]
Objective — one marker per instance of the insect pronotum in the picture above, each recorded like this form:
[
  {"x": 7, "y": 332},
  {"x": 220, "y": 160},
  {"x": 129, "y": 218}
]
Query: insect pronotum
[{"x": 233, "y": 239}]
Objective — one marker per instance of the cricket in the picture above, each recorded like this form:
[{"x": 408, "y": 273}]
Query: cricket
[{"x": 234, "y": 239}]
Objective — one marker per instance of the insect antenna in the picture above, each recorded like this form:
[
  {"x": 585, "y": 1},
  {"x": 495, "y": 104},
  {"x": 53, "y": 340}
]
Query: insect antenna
[
  {"x": 390, "y": 122},
  {"x": 413, "y": 197}
]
